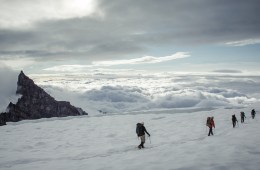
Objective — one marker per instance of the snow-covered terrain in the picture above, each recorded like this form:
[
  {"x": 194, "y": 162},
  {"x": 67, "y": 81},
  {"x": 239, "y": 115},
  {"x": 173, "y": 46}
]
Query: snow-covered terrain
[{"x": 178, "y": 141}]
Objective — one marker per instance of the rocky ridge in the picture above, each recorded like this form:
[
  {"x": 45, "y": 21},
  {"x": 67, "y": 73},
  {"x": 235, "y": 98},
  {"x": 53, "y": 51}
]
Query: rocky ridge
[{"x": 35, "y": 103}]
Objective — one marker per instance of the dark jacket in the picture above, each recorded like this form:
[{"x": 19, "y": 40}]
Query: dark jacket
[
  {"x": 142, "y": 130},
  {"x": 234, "y": 119}
]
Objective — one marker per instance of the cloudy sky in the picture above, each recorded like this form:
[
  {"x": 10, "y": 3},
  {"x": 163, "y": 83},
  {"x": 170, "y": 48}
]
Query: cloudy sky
[{"x": 42, "y": 36}]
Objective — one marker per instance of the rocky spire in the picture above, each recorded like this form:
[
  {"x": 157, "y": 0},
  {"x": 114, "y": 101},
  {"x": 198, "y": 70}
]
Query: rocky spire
[
  {"x": 24, "y": 83},
  {"x": 35, "y": 103}
]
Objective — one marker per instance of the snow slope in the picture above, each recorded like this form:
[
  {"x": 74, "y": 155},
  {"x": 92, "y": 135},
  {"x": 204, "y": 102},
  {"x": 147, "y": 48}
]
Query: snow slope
[{"x": 178, "y": 141}]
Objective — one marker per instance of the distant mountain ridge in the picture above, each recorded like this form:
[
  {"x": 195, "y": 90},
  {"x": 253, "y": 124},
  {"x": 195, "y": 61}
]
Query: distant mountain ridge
[{"x": 35, "y": 103}]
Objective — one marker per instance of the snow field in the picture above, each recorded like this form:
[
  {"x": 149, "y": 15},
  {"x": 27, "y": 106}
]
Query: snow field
[{"x": 178, "y": 141}]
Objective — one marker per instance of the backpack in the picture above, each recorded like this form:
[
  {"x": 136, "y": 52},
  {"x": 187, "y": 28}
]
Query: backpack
[
  {"x": 138, "y": 128},
  {"x": 208, "y": 122},
  {"x": 234, "y": 118}
]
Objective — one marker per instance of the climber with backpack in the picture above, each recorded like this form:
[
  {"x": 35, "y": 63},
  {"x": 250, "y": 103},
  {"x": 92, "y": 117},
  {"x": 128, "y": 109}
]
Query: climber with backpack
[
  {"x": 253, "y": 113},
  {"x": 243, "y": 116},
  {"x": 140, "y": 131},
  {"x": 234, "y": 120},
  {"x": 210, "y": 123}
]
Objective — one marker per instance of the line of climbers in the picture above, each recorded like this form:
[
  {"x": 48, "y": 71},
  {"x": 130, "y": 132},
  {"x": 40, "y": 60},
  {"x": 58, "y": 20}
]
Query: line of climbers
[
  {"x": 210, "y": 121},
  {"x": 141, "y": 130}
]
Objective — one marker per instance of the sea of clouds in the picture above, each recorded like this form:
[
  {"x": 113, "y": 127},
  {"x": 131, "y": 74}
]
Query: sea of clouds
[
  {"x": 8, "y": 85},
  {"x": 117, "y": 92},
  {"x": 122, "y": 91}
]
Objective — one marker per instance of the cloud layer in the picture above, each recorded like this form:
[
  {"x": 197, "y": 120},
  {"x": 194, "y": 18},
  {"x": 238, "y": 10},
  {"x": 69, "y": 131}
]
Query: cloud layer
[
  {"x": 15, "y": 14},
  {"x": 117, "y": 93},
  {"x": 8, "y": 85},
  {"x": 141, "y": 60},
  {"x": 243, "y": 42},
  {"x": 125, "y": 27}
]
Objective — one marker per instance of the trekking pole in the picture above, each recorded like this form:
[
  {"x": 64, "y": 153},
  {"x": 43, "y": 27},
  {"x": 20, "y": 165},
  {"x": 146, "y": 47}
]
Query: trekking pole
[{"x": 150, "y": 139}]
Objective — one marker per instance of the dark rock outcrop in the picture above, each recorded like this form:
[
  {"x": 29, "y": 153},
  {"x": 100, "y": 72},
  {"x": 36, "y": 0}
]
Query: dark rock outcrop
[{"x": 35, "y": 103}]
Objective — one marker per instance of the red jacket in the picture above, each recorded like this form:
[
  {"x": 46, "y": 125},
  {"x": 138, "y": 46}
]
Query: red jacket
[{"x": 211, "y": 123}]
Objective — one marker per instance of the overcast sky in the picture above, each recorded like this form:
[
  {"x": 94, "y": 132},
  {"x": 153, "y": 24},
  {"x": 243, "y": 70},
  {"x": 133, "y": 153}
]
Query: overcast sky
[{"x": 169, "y": 35}]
